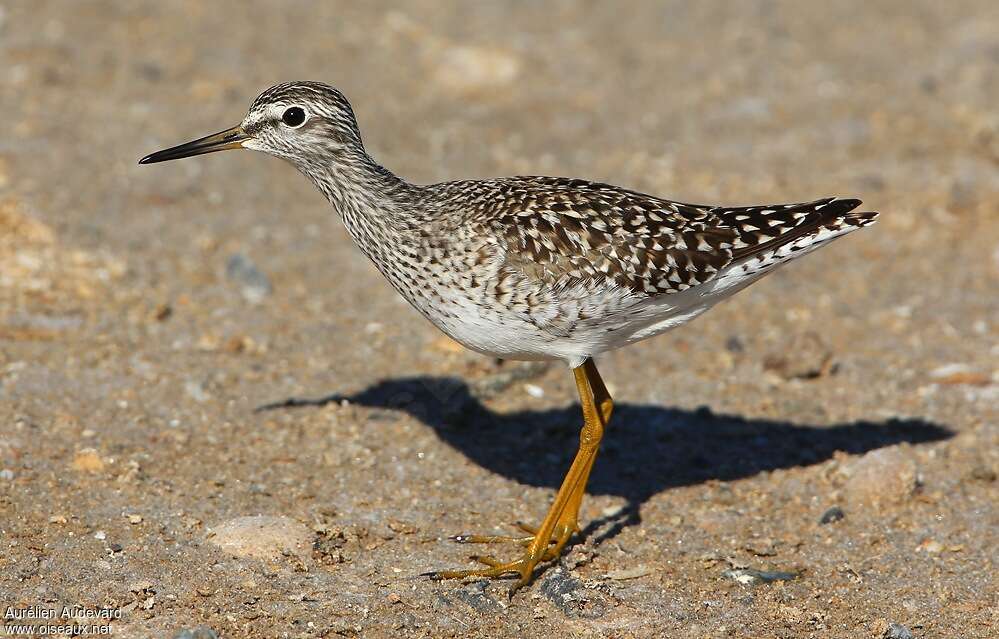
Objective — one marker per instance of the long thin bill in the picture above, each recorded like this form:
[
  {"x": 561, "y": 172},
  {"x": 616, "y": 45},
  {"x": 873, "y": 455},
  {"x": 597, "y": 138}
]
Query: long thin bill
[{"x": 229, "y": 139}]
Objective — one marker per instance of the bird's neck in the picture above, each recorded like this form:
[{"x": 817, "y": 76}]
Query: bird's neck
[{"x": 376, "y": 205}]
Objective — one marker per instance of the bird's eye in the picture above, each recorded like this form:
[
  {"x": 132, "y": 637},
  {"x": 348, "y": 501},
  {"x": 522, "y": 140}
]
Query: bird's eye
[{"x": 293, "y": 116}]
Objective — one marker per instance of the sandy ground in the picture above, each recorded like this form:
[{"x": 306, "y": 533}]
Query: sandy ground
[{"x": 815, "y": 458}]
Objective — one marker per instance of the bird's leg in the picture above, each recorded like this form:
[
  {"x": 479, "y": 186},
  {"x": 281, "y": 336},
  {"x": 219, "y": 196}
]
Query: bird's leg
[
  {"x": 562, "y": 518},
  {"x": 568, "y": 522}
]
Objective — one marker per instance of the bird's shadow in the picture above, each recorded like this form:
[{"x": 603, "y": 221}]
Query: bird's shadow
[{"x": 646, "y": 450}]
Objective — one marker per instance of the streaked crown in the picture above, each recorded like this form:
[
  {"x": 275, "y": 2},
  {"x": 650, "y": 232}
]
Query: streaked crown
[{"x": 302, "y": 122}]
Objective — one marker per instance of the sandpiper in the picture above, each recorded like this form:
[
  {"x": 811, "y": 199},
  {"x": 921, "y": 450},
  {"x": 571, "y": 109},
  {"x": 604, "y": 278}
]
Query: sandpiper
[{"x": 531, "y": 268}]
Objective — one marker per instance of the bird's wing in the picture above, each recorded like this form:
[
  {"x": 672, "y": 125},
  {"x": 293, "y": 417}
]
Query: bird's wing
[
  {"x": 575, "y": 237},
  {"x": 563, "y": 230},
  {"x": 560, "y": 228}
]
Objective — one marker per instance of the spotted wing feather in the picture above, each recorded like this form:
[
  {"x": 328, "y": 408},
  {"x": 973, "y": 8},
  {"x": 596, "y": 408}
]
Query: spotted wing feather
[
  {"x": 573, "y": 230},
  {"x": 558, "y": 230}
]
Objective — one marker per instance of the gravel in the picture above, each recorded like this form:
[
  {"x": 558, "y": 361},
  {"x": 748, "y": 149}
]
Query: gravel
[{"x": 147, "y": 311}]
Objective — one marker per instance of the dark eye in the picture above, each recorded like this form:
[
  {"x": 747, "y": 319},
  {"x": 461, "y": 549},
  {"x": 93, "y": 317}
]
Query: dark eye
[{"x": 293, "y": 116}]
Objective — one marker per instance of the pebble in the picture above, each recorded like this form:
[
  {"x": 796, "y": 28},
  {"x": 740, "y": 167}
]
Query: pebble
[
  {"x": 983, "y": 473},
  {"x": 476, "y": 596},
  {"x": 753, "y": 577},
  {"x": 534, "y": 391},
  {"x": 6, "y": 474},
  {"x": 144, "y": 587},
  {"x": 196, "y": 391},
  {"x": 891, "y": 630},
  {"x": 509, "y": 375},
  {"x": 805, "y": 357},
  {"x": 954, "y": 374},
  {"x": 832, "y": 515},
  {"x": 262, "y": 537},
  {"x": 931, "y": 546},
  {"x": 560, "y": 588},
  {"x": 88, "y": 461},
  {"x": 255, "y": 285},
  {"x": 201, "y": 632},
  {"x": 734, "y": 345},
  {"x": 629, "y": 573},
  {"x": 882, "y": 476}
]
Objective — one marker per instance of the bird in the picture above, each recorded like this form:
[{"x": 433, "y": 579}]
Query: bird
[{"x": 530, "y": 267}]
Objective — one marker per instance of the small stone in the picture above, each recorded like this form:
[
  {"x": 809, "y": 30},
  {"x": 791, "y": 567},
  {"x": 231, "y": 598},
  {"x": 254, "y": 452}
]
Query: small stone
[
  {"x": 254, "y": 284},
  {"x": 983, "y": 473},
  {"x": 399, "y": 526},
  {"x": 57, "y": 519},
  {"x": 196, "y": 391},
  {"x": 476, "y": 597},
  {"x": 100, "y": 535},
  {"x": 142, "y": 587},
  {"x": 6, "y": 474},
  {"x": 629, "y": 573},
  {"x": 834, "y": 514},
  {"x": 88, "y": 461},
  {"x": 734, "y": 345},
  {"x": 534, "y": 391},
  {"x": 262, "y": 537},
  {"x": 883, "y": 629},
  {"x": 765, "y": 547},
  {"x": 331, "y": 542},
  {"x": 511, "y": 373},
  {"x": 953, "y": 374},
  {"x": 208, "y": 342},
  {"x": 898, "y": 631},
  {"x": 931, "y": 546},
  {"x": 882, "y": 476},
  {"x": 135, "y": 519},
  {"x": 240, "y": 344},
  {"x": 753, "y": 577},
  {"x": 201, "y": 632},
  {"x": 161, "y": 312},
  {"x": 805, "y": 357}
]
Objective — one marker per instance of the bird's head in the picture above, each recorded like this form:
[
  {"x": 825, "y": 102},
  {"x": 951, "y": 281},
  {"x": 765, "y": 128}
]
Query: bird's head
[{"x": 306, "y": 123}]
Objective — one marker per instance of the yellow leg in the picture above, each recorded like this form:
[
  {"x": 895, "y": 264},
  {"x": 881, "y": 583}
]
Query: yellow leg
[
  {"x": 569, "y": 521},
  {"x": 562, "y": 518}
]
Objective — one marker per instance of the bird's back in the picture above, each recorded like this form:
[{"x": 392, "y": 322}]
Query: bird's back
[{"x": 564, "y": 229}]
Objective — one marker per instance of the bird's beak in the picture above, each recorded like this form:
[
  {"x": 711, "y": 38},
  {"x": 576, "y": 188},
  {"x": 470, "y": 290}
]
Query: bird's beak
[{"x": 229, "y": 139}]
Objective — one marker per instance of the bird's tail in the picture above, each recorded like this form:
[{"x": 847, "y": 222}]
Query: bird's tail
[{"x": 794, "y": 228}]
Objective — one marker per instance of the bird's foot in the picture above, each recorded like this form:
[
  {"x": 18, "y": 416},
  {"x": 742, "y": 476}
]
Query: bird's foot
[{"x": 537, "y": 551}]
